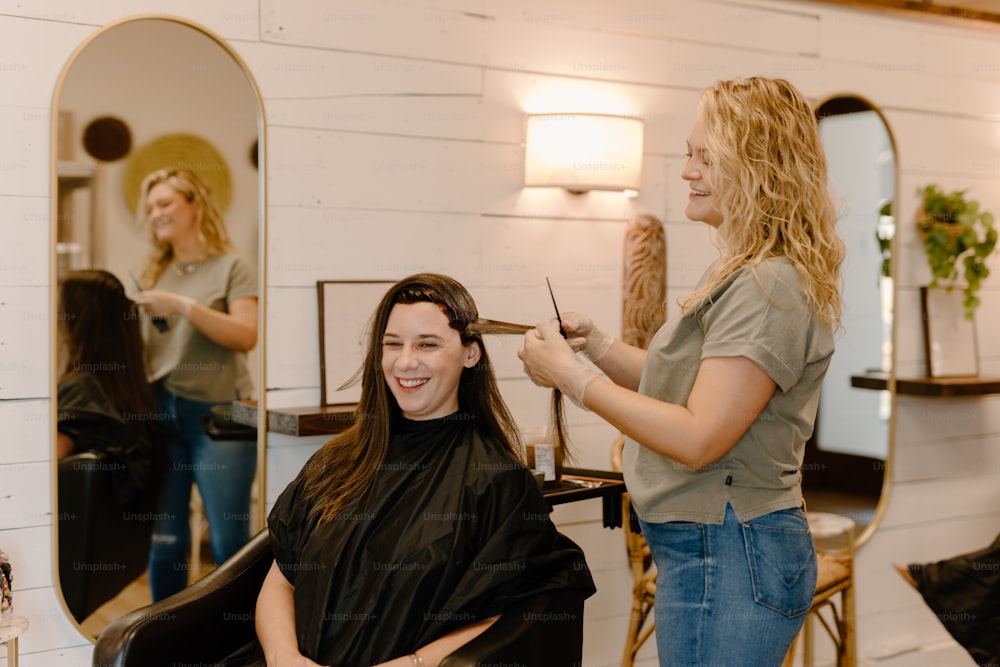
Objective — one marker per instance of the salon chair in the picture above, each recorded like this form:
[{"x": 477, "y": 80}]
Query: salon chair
[
  {"x": 213, "y": 619},
  {"x": 102, "y": 547}
]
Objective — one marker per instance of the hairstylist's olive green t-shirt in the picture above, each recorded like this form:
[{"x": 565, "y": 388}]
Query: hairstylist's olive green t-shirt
[
  {"x": 187, "y": 362},
  {"x": 766, "y": 319}
]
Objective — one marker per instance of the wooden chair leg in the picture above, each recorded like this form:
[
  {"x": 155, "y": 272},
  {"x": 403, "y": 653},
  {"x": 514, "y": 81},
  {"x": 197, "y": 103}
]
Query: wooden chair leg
[
  {"x": 638, "y": 631},
  {"x": 850, "y": 637},
  {"x": 808, "y": 644},
  {"x": 790, "y": 656},
  {"x": 634, "y": 623}
]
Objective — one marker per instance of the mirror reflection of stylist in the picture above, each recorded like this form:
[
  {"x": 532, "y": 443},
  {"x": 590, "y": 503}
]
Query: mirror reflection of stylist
[
  {"x": 204, "y": 300},
  {"x": 718, "y": 411}
]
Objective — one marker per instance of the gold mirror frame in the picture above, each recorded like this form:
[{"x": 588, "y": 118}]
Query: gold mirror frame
[
  {"x": 860, "y": 103},
  {"x": 258, "y": 506}
]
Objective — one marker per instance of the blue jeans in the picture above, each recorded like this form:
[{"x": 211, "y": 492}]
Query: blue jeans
[
  {"x": 224, "y": 472},
  {"x": 731, "y": 595}
]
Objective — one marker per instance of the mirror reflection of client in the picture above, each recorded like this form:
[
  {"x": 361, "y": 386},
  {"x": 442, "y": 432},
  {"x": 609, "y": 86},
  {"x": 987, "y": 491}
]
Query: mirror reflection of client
[
  {"x": 207, "y": 296},
  {"x": 406, "y": 536},
  {"x": 104, "y": 403}
]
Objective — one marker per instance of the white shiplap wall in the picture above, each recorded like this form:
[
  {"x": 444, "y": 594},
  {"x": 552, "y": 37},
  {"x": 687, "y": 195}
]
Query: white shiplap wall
[{"x": 393, "y": 139}]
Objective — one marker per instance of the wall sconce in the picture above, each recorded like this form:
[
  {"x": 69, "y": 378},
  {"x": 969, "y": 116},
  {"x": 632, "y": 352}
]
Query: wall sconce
[{"x": 582, "y": 152}]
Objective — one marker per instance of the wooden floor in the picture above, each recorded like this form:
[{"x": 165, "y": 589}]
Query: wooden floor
[{"x": 134, "y": 596}]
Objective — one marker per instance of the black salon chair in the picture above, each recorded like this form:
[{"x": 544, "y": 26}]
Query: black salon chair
[
  {"x": 103, "y": 547},
  {"x": 212, "y": 620}
]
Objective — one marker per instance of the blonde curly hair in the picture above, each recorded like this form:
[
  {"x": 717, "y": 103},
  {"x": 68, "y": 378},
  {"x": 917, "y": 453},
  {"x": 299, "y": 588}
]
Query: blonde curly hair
[
  {"x": 763, "y": 139},
  {"x": 208, "y": 219}
]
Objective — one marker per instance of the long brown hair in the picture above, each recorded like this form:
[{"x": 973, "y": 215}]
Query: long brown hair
[
  {"x": 763, "y": 138},
  {"x": 208, "y": 219},
  {"x": 100, "y": 333},
  {"x": 343, "y": 470}
]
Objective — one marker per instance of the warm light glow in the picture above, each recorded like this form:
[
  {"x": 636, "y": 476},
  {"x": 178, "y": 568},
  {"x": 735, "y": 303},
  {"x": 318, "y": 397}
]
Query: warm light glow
[{"x": 581, "y": 152}]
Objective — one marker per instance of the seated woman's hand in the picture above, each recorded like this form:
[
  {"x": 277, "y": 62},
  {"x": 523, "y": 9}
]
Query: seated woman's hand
[{"x": 292, "y": 660}]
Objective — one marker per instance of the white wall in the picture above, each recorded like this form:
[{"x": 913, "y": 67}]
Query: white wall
[{"x": 393, "y": 138}]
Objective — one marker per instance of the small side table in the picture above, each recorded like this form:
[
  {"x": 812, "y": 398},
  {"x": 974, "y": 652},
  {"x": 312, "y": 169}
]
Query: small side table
[
  {"x": 581, "y": 484},
  {"x": 12, "y": 627}
]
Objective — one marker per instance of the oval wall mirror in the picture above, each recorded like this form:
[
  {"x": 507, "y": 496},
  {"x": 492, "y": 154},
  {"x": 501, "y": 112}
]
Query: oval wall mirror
[
  {"x": 143, "y": 94},
  {"x": 847, "y": 460}
]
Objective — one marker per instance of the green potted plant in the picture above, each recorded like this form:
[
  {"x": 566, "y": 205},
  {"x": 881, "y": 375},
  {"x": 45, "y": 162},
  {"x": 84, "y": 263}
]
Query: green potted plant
[
  {"x": 958, "y": 237},
  {"x": 884, "y": 231}
]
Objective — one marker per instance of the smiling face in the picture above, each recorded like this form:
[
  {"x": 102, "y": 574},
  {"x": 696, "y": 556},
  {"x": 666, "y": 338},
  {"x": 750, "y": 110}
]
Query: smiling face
[
  {"x": 423, "y": 359},
  {"x": 701, "y": 176},
  {"x": 171, "y": 215}
]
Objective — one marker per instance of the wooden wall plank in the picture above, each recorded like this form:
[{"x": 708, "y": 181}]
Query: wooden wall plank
[
  {"x": 922, "y": 502},
  {"x": 350, "y": 244},
  {"x": 27, "y": 427},
  {"x": 375, "y": 26},
  {"x": 341, "y": 78},
  {"x": 24, "y": 228},
  {"x": 27, "y": 495},
  {"x": 24, "y": 342},
  {"x": 26, "y": 158},
  {"x": 232, "y": 19},
  {"x": 792, "y": 29}
]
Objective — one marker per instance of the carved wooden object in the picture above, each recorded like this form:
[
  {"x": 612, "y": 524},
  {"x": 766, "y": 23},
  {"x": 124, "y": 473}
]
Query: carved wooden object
[{"x": 644, "y": 289}]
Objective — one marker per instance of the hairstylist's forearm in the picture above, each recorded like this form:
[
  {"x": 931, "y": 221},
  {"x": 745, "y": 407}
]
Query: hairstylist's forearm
[
  {"x": 728, "y": 395},
  {"x": 623, "y": 364},
  {"x": 235, "y": 330}
]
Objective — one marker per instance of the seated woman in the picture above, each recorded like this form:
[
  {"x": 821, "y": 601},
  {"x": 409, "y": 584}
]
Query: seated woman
[
  {"x": 104, "y": 402},
  {"x": 964, "y": 592},
  {"x": 407, "y": 535}
]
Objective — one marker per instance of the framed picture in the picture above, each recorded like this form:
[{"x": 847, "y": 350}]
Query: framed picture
[
  {"x": 949, "y": 336},
  {"x": 345, "y": 308}
]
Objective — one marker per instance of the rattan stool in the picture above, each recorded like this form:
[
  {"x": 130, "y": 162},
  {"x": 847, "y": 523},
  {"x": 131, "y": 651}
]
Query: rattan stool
[
  {"x": 640, "y": 623},
  {"x": 833, "y": 535}
]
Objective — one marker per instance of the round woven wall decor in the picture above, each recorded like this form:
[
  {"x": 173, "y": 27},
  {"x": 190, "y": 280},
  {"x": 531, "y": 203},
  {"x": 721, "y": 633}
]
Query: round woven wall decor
[{"x": 179, "y": 151}]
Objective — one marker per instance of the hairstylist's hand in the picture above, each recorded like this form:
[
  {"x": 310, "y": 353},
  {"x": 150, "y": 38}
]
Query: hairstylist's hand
[
  {"x": 550, "y": 362},
  {"x": 160, "y": 303},
  {"x": 585, "y": 336}
]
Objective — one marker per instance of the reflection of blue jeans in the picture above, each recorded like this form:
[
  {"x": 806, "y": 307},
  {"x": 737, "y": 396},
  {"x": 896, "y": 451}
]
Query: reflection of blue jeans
[
  {"x": 224, "y": 472},
  {"x": 731, "y": 595}
]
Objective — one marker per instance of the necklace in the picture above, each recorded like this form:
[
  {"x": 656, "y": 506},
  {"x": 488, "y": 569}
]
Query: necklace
[{"x": 184, "y": 268}]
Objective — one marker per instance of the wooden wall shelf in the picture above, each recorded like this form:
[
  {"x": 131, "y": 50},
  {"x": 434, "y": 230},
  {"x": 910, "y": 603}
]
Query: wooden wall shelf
[
  {"x": 310, "y": 420},
  {"x": 930, "y": 387}
]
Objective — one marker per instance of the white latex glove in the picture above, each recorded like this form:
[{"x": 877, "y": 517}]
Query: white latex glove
[
  {"x": 586, "y": 336},
  {"x": 550, "y": 362},
  {"x": 161, "y": 303}
]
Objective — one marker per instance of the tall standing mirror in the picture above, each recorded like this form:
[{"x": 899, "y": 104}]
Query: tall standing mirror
[
  {"x": 848, "y": 458},
  {"x": 144, "y": 94}
]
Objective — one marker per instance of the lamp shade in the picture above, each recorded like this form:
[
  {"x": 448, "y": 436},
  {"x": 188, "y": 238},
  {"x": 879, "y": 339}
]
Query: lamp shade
[{"x": 582, "y": 152}]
